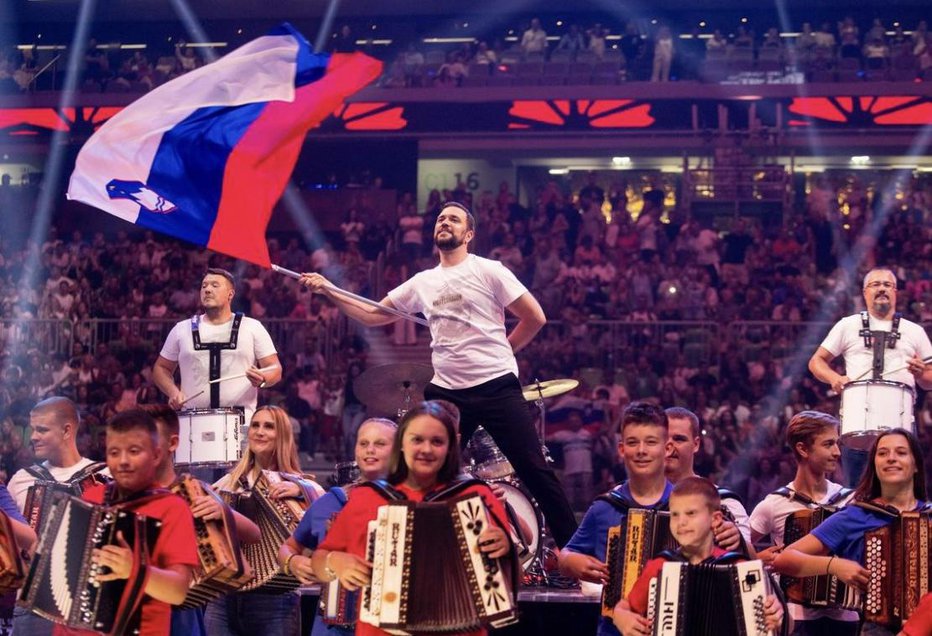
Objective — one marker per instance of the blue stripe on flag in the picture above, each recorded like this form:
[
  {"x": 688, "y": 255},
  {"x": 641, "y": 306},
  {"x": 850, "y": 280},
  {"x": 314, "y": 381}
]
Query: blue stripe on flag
[
  {"x": 310, "y": 66},
  {"x": 188, "y": 169}
]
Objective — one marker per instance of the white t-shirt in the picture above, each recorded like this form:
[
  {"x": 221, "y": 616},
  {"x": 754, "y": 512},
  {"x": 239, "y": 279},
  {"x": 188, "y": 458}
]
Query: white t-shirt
[
  {"x": 253, "y": 344},
  {"x": 465, "y": 306},
  {"x": 843, "y": 340},
  {"x": 21, "y": 480},
  {"x": 769, "y": 518}
]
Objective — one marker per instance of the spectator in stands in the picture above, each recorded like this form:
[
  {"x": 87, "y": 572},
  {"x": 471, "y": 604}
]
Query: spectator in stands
[
  {"x": 805, "y": 41},
  {"x": 850, "y": 38},
  {"x": 717, "y": 44},
  {"x": 96, "y": 65},
  {"x": 663, "y": 55},
  {"x": 743, "y": 39},
  {"x": 824, "y": 38},
  {"x": 572, "y": 42},
  {"x": 772, "y": 39},
  {"x": 452, "y": 72},
  {"x": 187, "y": 60},
  {"x": 344, "y": 41},
  {"x": 631, "y": 45},
  {"x": 534, "y": 40},
  {"x": 485, "y": 55},
  {"x": 413, "y": 61},
  {"x": 876, "y": 54},
  {"x": 597, "y": 38}
]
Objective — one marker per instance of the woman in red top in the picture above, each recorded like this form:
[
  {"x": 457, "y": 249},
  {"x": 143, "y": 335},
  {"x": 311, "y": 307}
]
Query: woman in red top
[{"x": 425, "y": 459}]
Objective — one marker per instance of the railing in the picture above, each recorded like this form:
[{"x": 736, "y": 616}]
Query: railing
[{"x": 600, "y": 347}]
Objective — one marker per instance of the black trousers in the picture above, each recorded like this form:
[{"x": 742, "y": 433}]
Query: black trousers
[{"x": 499, "y": 407}]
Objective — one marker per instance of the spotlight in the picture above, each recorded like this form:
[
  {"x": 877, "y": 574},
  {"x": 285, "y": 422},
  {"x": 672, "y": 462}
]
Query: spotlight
[
  {"x": 860, "y": 160},
  {"x": 621, "y": 161},
  {"x": 558, "y": 171}
]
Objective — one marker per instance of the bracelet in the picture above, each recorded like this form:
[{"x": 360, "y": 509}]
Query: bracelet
[
  {"x": 828, "y": 566},
  {"x": 329, "y": 571},
  {"x": 286, "y": 568},
  {"x": 261, "y": 385}
]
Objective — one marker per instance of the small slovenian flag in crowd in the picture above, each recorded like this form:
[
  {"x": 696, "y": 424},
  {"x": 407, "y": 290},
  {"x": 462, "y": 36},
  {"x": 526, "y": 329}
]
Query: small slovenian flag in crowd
[{"x": 206, "y": 156}]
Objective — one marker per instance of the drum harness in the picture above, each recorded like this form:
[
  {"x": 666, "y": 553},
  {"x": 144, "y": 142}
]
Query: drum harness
[
  {"x": 214, "y": 348},
  {"x": 878, "y": 341}
]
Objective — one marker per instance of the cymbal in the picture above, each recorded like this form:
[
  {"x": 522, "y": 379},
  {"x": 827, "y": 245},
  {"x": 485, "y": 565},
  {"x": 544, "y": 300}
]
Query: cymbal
[
  {"x": 548, "y": 388},
  {"x": 383, "y": 388}
]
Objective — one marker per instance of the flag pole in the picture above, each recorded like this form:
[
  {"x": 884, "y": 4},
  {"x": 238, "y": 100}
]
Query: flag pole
[{"x": 362, "y": 299}]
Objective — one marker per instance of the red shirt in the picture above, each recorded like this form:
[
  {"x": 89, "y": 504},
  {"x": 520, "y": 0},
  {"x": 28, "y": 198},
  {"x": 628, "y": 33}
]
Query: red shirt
[
  {"x": 637, "y": 598},
  {"x": 920, "y": 623},
  {"x": 176, "y": 545},
  {"x": 348, "y": 532}
]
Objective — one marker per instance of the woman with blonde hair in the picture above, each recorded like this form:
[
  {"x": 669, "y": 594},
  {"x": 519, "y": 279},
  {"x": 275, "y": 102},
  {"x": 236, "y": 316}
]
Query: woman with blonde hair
[{"x": 270, "y": 447}]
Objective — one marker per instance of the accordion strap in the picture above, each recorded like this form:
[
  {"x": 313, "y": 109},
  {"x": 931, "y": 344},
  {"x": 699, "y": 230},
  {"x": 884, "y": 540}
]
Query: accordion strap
[
  {"x": 308, "y": 492},
  {"x": 878, "y": 509},
  {"x": 618, "y": 501},
  {"x": 725, "y": 493},
  {"x": 385, "y": 489},
  {"x": 136, "y": 499},
  {"x": 40, "y": 472},
  {"x": 453, "y": 489}
]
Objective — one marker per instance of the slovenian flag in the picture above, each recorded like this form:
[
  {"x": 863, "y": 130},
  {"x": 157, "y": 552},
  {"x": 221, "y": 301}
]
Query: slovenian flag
[{"x": 206, "y": 156}]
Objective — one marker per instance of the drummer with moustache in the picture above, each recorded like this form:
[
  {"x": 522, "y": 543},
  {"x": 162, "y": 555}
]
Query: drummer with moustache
[
  {"x": 216, "y": 344},
  {"x": 878, "y": 343},
  {"x": 465, "y": 298}
]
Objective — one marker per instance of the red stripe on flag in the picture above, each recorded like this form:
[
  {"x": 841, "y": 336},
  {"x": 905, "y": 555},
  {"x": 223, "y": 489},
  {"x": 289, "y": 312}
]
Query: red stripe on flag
[{"x": 260, "y": 165}]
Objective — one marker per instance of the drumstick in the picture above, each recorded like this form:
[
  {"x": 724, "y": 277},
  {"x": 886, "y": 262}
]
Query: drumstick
[
  {"x": 230, "y": 377},
  {"x": 897, "y": 370},
  {"x": 243, "y": 375},
  {"x": 362, "y": 299}
]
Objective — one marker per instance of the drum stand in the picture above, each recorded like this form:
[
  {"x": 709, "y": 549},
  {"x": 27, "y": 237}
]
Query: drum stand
[
  {"x": 405, "y": 399},
  {"x": 536, "y": 573}
]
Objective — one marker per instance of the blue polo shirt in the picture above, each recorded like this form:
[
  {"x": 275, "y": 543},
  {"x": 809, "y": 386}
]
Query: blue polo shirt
[
  {"x": 592, "y": 535},
  {"x": 8, "y": 505},
  {"x": 843, "y": 532}
]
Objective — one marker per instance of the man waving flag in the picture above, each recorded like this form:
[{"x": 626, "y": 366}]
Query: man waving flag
[{"x": 205, "y": 156}]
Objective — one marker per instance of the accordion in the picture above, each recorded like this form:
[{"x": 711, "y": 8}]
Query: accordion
[
  {"x": 277, "y": 520},
  {"x": 223, "y": 569},
  {"x": 37, "y": 493},
  {"x": 898, "y": 558},
  {"x": 710, "y": 598},
  {"x": 11, "y": 559},
  {"x": 822, "y": 591},
  {"x": 641, "y": 536},
  {"x": 62, "y": 584},
  {"x": 428, "y": 574}
]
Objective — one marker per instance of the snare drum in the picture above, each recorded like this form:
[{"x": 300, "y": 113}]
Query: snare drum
[
  {"x": 526, "y": 520},
  {"x": 489, "y": 462},
  {"x": 871, "y": 406},
  {"x": 210, "y": 437}
]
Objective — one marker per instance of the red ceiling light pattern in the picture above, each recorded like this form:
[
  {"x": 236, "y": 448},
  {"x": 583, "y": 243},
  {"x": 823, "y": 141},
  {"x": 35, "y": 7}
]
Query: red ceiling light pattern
[
  {"x": 580, "y": 113},
  {"x": 27, "y": 120},
  {"x": 880, "y": 111}
]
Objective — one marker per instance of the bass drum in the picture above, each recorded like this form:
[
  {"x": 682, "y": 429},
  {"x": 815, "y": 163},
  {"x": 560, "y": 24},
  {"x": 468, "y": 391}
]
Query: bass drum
[{"x": 526, "y": 522}]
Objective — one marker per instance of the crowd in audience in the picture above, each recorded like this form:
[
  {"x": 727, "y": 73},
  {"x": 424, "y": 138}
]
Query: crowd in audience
[
  {"x": 556, "y": 53},
  {"x": 643, "y": 304}
]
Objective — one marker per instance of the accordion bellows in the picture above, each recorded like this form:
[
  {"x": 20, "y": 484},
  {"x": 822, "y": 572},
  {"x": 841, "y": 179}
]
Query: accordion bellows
[
  {"x": 825, "y": 591},
  {"x": 710, "y": 598},
  {"x": 62, "y": 586},
  {"x": 223, "y": 568},
  {"x": 277, "y": 520},
  {"x": 428, "y": 573},
  {"x": 12, "y": 572}
]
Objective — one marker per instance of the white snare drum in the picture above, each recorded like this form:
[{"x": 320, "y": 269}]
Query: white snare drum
[
  {"x": 526, "y": 520},
  {"x": 871, "y": 406},
  {"x": 210, "y": 437},
  {"x": 490, "y": 463}
]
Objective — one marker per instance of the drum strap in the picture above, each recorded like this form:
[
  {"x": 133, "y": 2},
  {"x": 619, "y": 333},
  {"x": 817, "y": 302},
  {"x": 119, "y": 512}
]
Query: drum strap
[{"x": 214, "y": 349}]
